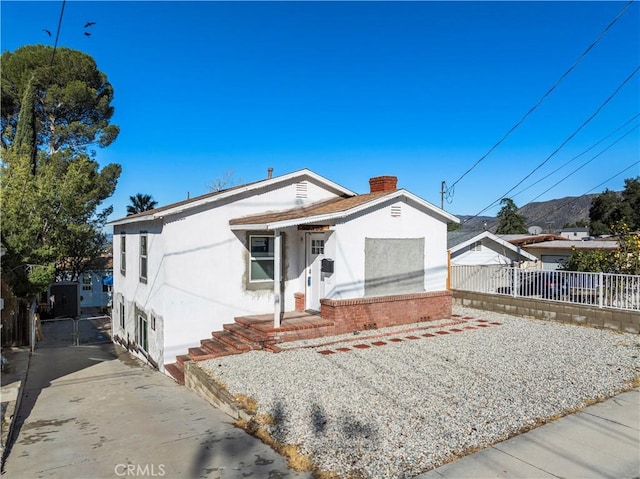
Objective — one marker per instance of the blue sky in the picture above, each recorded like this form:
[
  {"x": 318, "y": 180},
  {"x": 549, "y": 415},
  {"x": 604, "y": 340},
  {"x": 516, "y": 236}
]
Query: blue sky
[{"x": 351, "y": 90}]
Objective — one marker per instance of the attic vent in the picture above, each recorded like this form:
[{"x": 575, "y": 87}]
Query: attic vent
[
  {"x": 396, "y": 211},
  {"x": 301, "y": 190}
]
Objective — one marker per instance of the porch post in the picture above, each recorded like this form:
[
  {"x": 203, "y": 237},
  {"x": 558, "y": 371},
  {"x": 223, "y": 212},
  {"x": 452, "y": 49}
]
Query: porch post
[{"x": 277, "y": 278}]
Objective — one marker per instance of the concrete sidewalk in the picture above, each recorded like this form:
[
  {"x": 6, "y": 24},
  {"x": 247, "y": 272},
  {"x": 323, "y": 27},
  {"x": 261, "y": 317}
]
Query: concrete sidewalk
[{"x": 601, "y": 441}]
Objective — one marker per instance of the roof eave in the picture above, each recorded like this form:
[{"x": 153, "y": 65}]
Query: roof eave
[{"x": 236, "y": 191}]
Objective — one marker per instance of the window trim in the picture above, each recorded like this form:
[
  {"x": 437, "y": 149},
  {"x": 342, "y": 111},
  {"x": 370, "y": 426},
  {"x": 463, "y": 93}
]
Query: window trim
[
  {"x": 87, "y": 286},
  {"x": 142, "y": 342},
  {"x": 263, "y": 258},
  {"x": 143, "y": 257},
  {"x": 123, "y": 253},
  {"x": 122, "y": 314}
]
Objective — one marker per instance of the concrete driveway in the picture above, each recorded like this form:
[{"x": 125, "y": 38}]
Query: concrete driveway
[{"x": 91, "y": 411}]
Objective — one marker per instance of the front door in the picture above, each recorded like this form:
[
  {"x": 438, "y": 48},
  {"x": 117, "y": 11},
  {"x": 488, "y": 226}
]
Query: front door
[{"x": 315, "y": 283}]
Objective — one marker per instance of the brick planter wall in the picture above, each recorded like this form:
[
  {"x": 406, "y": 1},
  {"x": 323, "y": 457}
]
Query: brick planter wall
[
  {"x": 300, "y": 301},
  {"x": 383, "y": 311}
]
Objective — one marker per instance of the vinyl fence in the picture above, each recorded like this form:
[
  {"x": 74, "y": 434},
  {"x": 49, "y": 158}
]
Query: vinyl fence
[{"x": 617, "y": 291}]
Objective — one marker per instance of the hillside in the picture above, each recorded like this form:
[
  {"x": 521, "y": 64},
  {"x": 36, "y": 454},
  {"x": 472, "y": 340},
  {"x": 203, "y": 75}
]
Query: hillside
[{"x": 549, "y": 215}]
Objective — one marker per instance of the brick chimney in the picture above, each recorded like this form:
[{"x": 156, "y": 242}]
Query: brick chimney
[{"x": 383, "y": 183}]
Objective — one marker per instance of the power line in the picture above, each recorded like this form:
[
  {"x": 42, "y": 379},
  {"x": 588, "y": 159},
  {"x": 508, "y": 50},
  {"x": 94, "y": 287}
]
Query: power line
[
  {"x": 569, "y": 138},
  {"x": 622, "y": 12},
  {"x": 614, "y": 176},
  {"x": 578, "y": 156},
  {"x": 585, "y": 163},
  {"x": 55, "y": 45}
]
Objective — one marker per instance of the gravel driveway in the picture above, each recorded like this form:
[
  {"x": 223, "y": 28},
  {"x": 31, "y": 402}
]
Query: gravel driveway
[{"x": 399, "y": 404}]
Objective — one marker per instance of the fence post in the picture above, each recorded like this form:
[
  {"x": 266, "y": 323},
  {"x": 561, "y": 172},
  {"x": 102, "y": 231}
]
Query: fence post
[
  {"x": 601, "y": 289},
  {"x": 515, "y": 282},
  {"x": 32, "y": 326}
]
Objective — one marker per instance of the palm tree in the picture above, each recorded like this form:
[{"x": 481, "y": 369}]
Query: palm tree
[{"x": 140, "y": 203}]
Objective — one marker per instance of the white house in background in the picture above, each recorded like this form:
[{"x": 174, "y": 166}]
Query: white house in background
[
  {"x": 574, "y": 233},
  {"x": 553, "y": 254},
  {"x": 484, "y": 248},
  {"x": 297, "y": 241},
  {"x": 93, "y": 292}
]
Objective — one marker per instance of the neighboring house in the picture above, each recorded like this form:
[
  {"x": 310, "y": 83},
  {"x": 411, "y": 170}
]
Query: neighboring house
[
  {"x": 94, "y": 293},
  {"x": 288, "y": 243},
  {"x": 553, "y": 254},
  {"x": 484, "y": 248},
  {"x": 574, "y": 233}
]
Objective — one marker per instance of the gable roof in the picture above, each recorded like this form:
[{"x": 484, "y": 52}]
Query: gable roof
[
  {"x": 473, "y": 237},
  {"x": 575, "y": 245},
  {"x": 215, "y": 196},
  {"x": 527, "y": 239},
  {"x": 329, "y": 210}
]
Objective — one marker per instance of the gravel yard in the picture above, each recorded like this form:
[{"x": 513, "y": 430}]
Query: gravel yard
[{"x": 401, "y": 403}]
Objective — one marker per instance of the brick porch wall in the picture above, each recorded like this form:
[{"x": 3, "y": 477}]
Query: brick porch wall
[{"x": 383, "y": 311}]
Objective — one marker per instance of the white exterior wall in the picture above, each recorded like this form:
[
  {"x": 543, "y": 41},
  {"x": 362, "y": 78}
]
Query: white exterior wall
[
  {"x": 197, "y": 269},
  {"x": 147, "y": 297},
  {"x": 485, "y": 256},
  {"x": 348, "y": 281}
]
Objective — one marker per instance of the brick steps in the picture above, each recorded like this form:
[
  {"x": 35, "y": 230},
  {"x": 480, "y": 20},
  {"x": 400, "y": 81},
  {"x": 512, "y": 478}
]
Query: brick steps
[
  {"x": 230, "y": 339},
  {"x": 248, "y": 334},
  {"x": 176, "y": 371}
]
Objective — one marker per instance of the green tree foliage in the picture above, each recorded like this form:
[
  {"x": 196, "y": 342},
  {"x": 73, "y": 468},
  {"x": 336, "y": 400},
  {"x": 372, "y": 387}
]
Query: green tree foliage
[
  {"x": 611, "y": 208},
  {"x": 509, "y": 221},
  {"x": 140, "y": 203},
  {"x": 51, "y": 190},
  {"x": 625, "y": 260},
  {"x": 631, "y": 202},
  {"x": 52, "y": 221},
  {"x": 26, "y": 139},
  {"x": 71, "y": 99}
]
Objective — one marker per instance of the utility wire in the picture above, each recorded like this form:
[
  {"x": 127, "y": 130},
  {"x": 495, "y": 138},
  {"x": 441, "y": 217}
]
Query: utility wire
[
  {"x": 585, "y": 163},
  {"x": 578, "y": 156},
  {"x": 622, "y": 12},
  {"x": 614, "y": 176},
  {"x": 55, "y": 46},
  {"x": 569, "y": 138}
]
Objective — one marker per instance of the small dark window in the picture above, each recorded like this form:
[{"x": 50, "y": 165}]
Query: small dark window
[
  {"x": 143, "y": 257},
  {"x": 123, "y": 253}
]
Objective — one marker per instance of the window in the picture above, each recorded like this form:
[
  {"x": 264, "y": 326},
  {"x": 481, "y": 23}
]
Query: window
[
  {"x": 262, "y": 258},
  {"x": 142, "y": 330},
  {"x": 317, "y": 246},
  {"x": 122, "y": 313},
  {"x": 143, "y": 257},
  {"x": 86, "y": 282},
  {"x": 153, "y": 322},
  {"x": 477, "y": 246},
  {"x": 123, "y": 253}
]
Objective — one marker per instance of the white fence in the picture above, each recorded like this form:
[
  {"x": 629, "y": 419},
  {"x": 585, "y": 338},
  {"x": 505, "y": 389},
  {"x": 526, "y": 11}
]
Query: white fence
[{"x": 618, "y": 291}]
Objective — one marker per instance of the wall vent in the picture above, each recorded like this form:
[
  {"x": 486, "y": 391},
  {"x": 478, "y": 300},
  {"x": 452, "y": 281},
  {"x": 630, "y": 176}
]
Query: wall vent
[
  {"x": 396, "y": 211},
  {"x": 301, "y": 190}
]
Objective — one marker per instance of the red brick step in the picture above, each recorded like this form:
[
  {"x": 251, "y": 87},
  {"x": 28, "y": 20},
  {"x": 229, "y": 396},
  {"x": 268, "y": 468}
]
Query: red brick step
[
  {"x": 176, "y": 372},
  {"x": 231, "y": 340}
]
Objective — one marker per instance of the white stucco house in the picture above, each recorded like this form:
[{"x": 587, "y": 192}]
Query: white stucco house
[
  {"x": 296, "y": 242},
  {"x": 485, "y": 248}
]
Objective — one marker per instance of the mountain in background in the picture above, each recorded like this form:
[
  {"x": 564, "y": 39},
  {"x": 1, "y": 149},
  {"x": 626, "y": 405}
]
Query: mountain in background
[{"x": 550, "y": 215}]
